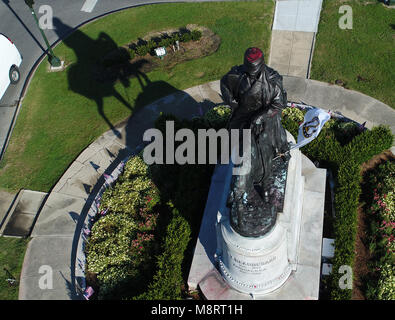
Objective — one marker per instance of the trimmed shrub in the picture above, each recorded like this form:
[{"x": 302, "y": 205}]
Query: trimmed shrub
[
  {"x": 217, "y": 117},
  {"x": 386, "y": 283},
  {"x": 196, "y": 35},
  {"x": 121, "y": 249},
  {"x": 108, "y": 251},
  {"x": 135, "y": 167},
  {"x": 175, "y": 37},
  {"x": 294, "y": 114},
  {"x": 291, "y": 118},
  {"x": 142, "y": 50},
  {"x": 129, "y": 196},
  {"x": 380, "y": 208},
  {"x": 133, "y": 191},
  {"x": 151, "y": 44},
  {"x": 110, "y": 241},
  {"x": 369, "y": 143},
  {"x": 185, "y": 37},
  {"x": 166, "y": 42},
  {"x": 166, "y": 284},
  {"x": 120, "y": 245}
]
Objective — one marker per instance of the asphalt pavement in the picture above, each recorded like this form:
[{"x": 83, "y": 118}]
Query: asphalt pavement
[{"x": 17, "y": 23}]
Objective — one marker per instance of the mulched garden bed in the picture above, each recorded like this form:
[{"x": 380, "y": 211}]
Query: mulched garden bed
[{"x": 138, "y": 66}]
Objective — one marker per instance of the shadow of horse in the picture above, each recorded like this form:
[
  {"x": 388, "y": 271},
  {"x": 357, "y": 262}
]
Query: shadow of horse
[{"x": 89, "y": 78}]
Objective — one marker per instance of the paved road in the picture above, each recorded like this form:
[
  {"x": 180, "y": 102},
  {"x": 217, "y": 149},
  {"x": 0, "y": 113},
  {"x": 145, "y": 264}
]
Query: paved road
[{"x": 18, "y": 24}]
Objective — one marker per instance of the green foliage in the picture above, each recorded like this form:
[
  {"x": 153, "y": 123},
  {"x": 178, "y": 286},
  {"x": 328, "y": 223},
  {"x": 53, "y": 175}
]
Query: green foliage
[
  {"x": 362, "y": 148},
  {"x": 175, "y": 37},
  {"x": 129, "y": 196},
  {"x": 165, "y": 42},
  {"x": 345, "y": 225},
  {"x": 217, "y": 117},
  {"x": 120, "y": 243},
  {"x": 132, "y": 53},
  {"x": 187, "y": 187},
  {"x": 291, "y": 125},
  {"x": 193, "y": 181},
  {"x": 109, "y": 242},
  {"x": 108, "y": 252},
  {"x": 386, "y": 283},
  {"x": 294, "y": 114},
  {"x": 370, "y": 143},
  {"x": 144, "y": 47},
  {"x": 380, "y": 208},
  {"x": 134, "y": 167},
  {"x": 166, "y": 284},
  {"x": 196, "y": 35},
  {"x": 118, "y": 252},
  {"x": 133, "y": 191},
  {"x": 345, "y": 131},
  {"x": 151, "y": 44},
  {"x": 342, "y": 148},
  {"x": 185, "y": 37},
  {"x": 142, "y": 50}
]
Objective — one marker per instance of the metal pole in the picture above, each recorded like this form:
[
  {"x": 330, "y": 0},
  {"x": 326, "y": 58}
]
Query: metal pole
[{"x": 53, "y": 60}]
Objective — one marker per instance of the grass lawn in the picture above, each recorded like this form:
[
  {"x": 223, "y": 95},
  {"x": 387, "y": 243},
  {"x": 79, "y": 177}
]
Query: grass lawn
[
  {"x": 64, "y": 112},
  {"x": 366, "y": 50},
  {"x": 12, "y": 251}
]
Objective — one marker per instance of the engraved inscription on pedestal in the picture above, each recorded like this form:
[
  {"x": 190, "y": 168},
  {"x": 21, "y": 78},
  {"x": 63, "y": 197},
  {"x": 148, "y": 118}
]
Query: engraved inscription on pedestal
[
  {"x": 254, "y": 265},
  {"x": 250, "y": 267}
]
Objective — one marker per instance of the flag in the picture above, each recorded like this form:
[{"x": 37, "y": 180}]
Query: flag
[
  {"x": 314, "y": 120},
  {"x": 88, "y": 293}
]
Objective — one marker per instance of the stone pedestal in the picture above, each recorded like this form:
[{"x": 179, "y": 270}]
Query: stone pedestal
[
  {"x": 283, "y": 264},
  {"x": 259, "y": 265},
  {"x": 253, "y": 265}
]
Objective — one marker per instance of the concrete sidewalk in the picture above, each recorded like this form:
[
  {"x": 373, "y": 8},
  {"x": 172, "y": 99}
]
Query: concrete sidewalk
[
  {"x": 22, "y": 214},
  {"x": 297, "y": 15},
  {"x": 293, "y": 36},
  {"x": 291, "y": 52},
  {"x": 6, "y": 201}
]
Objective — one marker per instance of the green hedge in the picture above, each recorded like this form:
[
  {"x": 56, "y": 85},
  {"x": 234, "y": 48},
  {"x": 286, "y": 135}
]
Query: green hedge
[
  {"x": 380, "y": 217},
  {"x": 345, "y": 161},
  {"x": 186, "y": 187},
  {"x": 123, "y": 235},
  {"x": 149, "y": 205},
  {"x": 361, "y": 149},
  {"x": 167, "y": 282}
]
